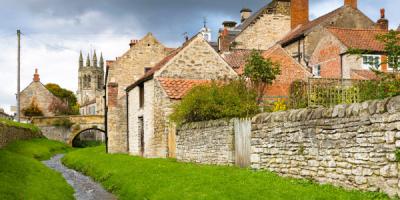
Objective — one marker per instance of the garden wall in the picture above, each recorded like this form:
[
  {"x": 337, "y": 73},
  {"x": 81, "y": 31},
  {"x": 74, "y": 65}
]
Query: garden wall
[
  {"x": 9, "y": 134},
  {"x": 353, "y": 146},
  {"x": 210, "y": 142}
]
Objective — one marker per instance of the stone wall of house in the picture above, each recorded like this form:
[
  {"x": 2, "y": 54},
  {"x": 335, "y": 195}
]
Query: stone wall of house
[
  {"x": 210, "y": 142},
  {"x": 121, "y": 73},
  {"x": 349, "y": 145},
  {"x": 268, "y": 30},
  {"x": 39, "y": 94},
  {"x": 9, "y": 134},
  {"x": 198, "y": 60}
]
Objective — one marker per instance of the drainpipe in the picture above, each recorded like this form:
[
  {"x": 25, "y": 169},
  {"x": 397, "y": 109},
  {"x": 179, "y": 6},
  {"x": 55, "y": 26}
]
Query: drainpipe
[
  {"x": 127, "y": 120},
  {"x": 105, "y": 119}
]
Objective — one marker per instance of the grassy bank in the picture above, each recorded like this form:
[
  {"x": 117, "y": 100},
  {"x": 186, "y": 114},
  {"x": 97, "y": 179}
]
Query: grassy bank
[
  {"x": 137, "y": 178},
  {"x": 23, "y": 176}
]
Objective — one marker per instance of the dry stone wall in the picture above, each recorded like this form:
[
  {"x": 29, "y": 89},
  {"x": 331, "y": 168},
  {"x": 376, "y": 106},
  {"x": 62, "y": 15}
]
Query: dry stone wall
[
  {"x": 209, "y": 142},
  {"x": 9, "y": 134},
  {"x": 349, "y": 145},
  {"x": 353, "y": 146}
]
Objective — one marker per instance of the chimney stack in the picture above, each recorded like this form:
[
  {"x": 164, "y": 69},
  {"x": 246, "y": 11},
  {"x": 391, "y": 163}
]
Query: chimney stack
[
  {"x": 245, "y": 13},
  {"x": 383, "y": 23},
  {"x": 351, "y": 3},
  {"x": 36, "y": 76},
  {"x": 299, "y": 11}
]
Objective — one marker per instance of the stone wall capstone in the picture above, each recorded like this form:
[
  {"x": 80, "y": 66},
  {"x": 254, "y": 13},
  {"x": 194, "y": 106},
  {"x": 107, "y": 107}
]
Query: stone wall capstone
[
  {"x": 210, "y": 142},
  {"x": 9, "y": 134}
]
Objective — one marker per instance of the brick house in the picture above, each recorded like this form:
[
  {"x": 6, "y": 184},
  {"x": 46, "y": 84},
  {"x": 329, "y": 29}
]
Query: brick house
[
  {"x": 305, "y": 35},
  {"x": 150, "y": 99},
  {"x": 120, "y": 73},
  {"x": 39, "y": 95},
  {"x": 331, "y": 58},
  {"x": 291, "y": 70}
]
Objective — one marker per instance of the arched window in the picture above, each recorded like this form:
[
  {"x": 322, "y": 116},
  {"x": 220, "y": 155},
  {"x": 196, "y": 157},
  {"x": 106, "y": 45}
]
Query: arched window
[
  {"x": 99, "y": 82},
  {"x": 89, "y": 80}
]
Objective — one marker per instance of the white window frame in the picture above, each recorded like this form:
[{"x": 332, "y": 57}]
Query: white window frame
[
  {"x": 316, "y": 70},
  {"x": 390, "y": 68},
  {"x": 368, "y": 65}
]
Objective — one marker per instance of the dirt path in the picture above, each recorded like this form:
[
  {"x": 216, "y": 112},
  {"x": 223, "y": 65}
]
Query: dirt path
[{"x": 85, "y": 188}]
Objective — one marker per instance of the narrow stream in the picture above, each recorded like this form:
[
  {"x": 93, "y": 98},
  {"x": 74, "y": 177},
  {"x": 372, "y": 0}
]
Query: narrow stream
[{"x": 85, "y": 188}]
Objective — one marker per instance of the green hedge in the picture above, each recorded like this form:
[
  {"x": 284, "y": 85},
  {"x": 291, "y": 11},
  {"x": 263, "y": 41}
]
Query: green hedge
[{"x": 216, "y": 101}]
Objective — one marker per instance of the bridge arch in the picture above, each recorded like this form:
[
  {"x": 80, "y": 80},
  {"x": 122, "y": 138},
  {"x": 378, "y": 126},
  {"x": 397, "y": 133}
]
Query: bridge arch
[{"x": 76, "y": 133}]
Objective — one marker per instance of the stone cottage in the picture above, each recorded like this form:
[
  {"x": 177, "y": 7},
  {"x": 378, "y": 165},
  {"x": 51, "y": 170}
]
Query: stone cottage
[
  {"x": 291, "y": 70},
  {"x": 37, "y": 94},
  {"x": 331, "y": 58},
  {"x": 142, "y": 55},
  {"x": 150, "y": 98},
  {"x": 259, "y": 30}
]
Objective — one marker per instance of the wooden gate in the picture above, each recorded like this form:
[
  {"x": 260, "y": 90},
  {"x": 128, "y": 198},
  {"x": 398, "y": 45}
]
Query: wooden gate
[
  {"x": 172, "y": 141},
  {"x": 242, "y": 129}
]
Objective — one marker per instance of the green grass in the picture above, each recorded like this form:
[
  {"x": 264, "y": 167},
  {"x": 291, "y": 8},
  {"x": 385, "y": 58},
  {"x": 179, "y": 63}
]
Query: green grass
[
  {"x": 137, "y": 178},
  {"x": 32, "y": 127},
  {"x": 22, "y": 176}
]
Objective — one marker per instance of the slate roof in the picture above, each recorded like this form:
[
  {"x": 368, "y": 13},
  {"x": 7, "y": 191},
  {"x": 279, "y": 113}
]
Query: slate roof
[
  {"x": 178, "y": 88},
  {"x": 364, "y": 39}
]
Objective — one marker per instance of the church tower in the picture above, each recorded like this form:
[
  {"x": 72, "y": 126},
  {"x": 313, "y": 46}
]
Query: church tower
[{"x": 90, "y": 83}]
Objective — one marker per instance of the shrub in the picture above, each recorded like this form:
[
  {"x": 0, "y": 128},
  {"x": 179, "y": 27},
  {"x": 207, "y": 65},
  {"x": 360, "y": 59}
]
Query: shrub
[
  {"x": 298, "y": 94},
  {"x": 32, "y": 110},
  {"x": 216, "y": 101},
  {"x": 279, "y": 105},
  {"x": 67, "y": 102}
]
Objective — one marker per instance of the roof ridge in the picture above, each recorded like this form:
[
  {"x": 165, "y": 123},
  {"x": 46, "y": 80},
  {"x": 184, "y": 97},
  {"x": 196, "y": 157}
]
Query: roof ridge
[{"x": 357, "y": 29}]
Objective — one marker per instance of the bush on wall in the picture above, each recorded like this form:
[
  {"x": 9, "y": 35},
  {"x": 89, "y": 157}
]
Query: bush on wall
[
  {"x": 33, "y": 110},
  {"x": 216, "y": 101}
]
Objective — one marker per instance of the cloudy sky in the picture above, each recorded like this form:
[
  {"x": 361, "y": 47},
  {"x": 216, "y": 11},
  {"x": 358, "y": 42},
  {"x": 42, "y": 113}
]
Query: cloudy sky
[{"x": 54, "y": 31}]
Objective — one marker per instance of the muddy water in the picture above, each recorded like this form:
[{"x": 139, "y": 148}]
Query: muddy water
[{"x": 85, "y": 188}]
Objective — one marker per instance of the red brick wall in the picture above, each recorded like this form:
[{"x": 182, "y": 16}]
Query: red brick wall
[
  {"x": 291, "y": 71},
  {"x": 327, "y": 55},
  {"x": 112, "y": 93}
]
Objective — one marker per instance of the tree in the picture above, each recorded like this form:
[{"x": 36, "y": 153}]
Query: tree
[
  {"x": 68, "y": 106},
  {"x": 391, "y": 41},
  {"x": 261, "y": 72}
]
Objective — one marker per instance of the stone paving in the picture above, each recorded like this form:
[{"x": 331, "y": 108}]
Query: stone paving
[{"x": 85, "y": 188}]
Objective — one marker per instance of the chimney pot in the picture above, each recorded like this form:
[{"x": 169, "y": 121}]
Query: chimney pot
[
  {"x": 245, "y": 13},
  {"x": 299, "y": 12},
  {"x": 36, "y": 77},
  {"x": 351, "y": 3},
  {"x": 229, "y": 24},
  {"x": 382, "y": 23}
]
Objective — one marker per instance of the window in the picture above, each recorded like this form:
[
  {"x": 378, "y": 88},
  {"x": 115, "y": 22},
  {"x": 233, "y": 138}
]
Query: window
[
  {"x": 392, "y": 63},
  {"x": 141, "y": 95},
  {"x": 373, "y": 61},
  {"x": 317, "y": 70}
]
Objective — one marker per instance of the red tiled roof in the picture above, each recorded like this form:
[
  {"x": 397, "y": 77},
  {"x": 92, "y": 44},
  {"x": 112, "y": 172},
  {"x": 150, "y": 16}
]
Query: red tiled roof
[
  {"x": 237, "y": 59},
  {"x": 177, "y": 88},
  {"x": 364, "y": 39},
  {"x": 302, "y": 29},
  {"x": 363, "y": 75}
]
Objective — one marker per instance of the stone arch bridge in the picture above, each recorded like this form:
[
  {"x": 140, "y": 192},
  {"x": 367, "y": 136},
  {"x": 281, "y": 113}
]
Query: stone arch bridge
[{"x": 66, "y": 128}]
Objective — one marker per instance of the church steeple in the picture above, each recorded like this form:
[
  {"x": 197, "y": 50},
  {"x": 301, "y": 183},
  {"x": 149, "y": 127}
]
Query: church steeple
[
  {"x": 80, "y": 59},
  {"x": 94, "y": 59},
  {"x": 101, "y": 62},
  {"x": 87, "y": 61}
]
